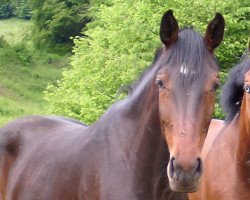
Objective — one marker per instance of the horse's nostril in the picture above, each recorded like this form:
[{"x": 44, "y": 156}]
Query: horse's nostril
[
  {"x": 198, "y": 168},
  {"x": 171, "y": 167}
]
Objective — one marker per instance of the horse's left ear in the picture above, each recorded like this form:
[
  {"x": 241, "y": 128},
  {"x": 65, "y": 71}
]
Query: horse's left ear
[
  {"x": 169, "y": 28},
  {"x": 215, "y": 31}
]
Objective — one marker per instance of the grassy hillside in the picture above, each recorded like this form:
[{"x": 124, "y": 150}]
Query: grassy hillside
[
  {"x": 24, "y": 71},
  {"x": 15, "y": 30}
]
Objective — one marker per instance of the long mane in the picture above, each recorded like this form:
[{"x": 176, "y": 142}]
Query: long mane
[{"x": 233, "y": 89}]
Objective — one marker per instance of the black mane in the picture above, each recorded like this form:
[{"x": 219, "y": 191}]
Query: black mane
[{"x": 232, "y": 91}]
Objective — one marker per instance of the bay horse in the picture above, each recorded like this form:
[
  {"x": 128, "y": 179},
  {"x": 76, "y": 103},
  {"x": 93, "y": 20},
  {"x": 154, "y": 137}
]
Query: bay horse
[
  {"x": 145, "y": 147},
  {"x": 227, "y": 159}
]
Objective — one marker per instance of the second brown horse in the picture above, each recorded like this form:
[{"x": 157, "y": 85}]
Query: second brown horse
[{"x": 226, "y": 153}]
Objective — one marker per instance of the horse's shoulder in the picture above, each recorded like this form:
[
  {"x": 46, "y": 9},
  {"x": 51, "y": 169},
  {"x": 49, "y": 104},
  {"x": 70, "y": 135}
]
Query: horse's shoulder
[{"x": 223, "y": 137}]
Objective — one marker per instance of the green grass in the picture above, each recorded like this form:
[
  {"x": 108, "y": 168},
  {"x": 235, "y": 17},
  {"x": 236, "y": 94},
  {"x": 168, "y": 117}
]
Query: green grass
[
  {"x": 24, "y": 71},
  {"x": 12, "y": 108},
  {"x": 15, "y": 30}
]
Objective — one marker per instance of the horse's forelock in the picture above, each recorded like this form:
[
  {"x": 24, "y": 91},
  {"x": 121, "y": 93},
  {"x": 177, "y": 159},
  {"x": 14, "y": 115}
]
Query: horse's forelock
[
  {"x": 188, "y": 56},
  {"x": 189, "y": 51}
]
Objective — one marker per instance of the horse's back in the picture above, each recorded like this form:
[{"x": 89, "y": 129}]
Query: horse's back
[
  {"x": 64, "y": 161},
  {"x": 25, "y": 148},
  {"x": 28, "y": 129}
]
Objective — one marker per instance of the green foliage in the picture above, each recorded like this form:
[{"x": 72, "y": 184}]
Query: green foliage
[
  {"x": 121, "y": 42},
  {"x": 21, "y": 9},
  {"x": 56, "y": 21},
  {"x": 5, "y": 9},
  {"x": 18, "y": 53},
  {"x": 15, "y": 8},
  {"x": 218, "y": 111},
  {"x": 7, "y": 53}
]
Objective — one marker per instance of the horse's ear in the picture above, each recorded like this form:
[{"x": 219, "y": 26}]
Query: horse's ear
[
  {"x": 169, "y": 28},
  {"x": 215, "y": 31}
]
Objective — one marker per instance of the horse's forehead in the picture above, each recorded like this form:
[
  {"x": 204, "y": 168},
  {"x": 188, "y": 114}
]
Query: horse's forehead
[
  {"x": 185, "y": 70},
  {"x": 185, "y": 74}
]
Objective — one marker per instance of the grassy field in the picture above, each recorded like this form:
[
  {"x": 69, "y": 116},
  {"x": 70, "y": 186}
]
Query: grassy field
[
  {"x": 15, "y": 30},
  {"x": 24, "y": 71}
]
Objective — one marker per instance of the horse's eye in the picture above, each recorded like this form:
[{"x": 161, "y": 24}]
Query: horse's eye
[
  {"x": 160, "y": 83},
  {"x": 247, "y": 88},
  {"x": 215, "y": 87}
]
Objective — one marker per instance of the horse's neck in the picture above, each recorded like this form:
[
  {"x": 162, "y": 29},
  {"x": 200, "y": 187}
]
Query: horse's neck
[
  {"x": 243, "y": 146},
  {"x": 144, "y": 142},
  {"x": 151, "y": 151},
  {"x": 134, "y": 130}
]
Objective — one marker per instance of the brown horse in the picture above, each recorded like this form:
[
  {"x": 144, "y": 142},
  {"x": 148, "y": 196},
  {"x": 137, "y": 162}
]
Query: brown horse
[
  {"x": 227, "y": 157},
  {"x": 140, "y": 148}
]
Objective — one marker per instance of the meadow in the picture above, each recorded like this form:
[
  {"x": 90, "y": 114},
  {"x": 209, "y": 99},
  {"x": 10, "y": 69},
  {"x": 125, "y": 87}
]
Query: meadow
[{"x": 25, "y": 71}]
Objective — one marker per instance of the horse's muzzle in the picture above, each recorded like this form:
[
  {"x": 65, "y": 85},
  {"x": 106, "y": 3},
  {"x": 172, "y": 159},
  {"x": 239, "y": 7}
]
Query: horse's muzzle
[{"x": 184, "y": 180}]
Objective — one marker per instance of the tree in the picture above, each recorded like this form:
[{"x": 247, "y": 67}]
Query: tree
[
  {"x": 56, "y": 21},
  {"x": 15, "y": 8},
  {"x": 121, "y": 42},
  {"x": 5, "y": 9},
  {"x": 21, "y": 9}
]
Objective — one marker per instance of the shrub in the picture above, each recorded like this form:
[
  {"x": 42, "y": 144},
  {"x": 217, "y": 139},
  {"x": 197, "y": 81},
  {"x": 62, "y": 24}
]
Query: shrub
[
  {"x": 5, "y": 9},
  {"x": 121, "y": 42},
  {"x": 15, "y": 8},
  {"x": 56, "y": 21},
  {"x": 21, "y": 9}
]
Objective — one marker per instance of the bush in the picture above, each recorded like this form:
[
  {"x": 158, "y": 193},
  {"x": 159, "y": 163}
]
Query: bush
[
  {"x": 21, "y": 9},
  {"x": 56, "y": 21},
  {"x": 121, "y": 42},
  {"x": 5, "y": 9},
  {"x": 15, "y": 8},
  {"x": 14, "y": 53},
  {"x": 7, "y": 53}
]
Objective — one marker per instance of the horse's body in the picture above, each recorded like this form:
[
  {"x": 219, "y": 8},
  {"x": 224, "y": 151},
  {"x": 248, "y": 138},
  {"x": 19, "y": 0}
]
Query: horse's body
[
  {"x": 106, "y": 161},
  {"x": 137, "y": 150},
  {"x": 87, "y": 163},
  {"x": 227, "y": 161}
]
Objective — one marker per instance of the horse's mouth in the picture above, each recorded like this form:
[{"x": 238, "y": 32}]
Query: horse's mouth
[
  {"x": 177, "y": 188},
  {"x": 184, "y": 185}
]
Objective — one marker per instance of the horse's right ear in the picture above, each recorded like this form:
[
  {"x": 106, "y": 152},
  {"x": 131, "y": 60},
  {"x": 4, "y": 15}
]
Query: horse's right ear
[
  {"x": 169, "y": 28},
  {"x": 215, "y": 32}
]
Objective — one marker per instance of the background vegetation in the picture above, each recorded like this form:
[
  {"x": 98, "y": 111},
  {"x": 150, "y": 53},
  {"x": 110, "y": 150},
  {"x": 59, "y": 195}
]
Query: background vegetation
[
  {"x": 15, "y": 8},
  {"x": 34, "y": 47},
  {"x": 24, "y": 71},
  {"x": 55, "y": 21},
  {"x": 121, "y": 41},
  {"x": 114, "y": 41}
]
